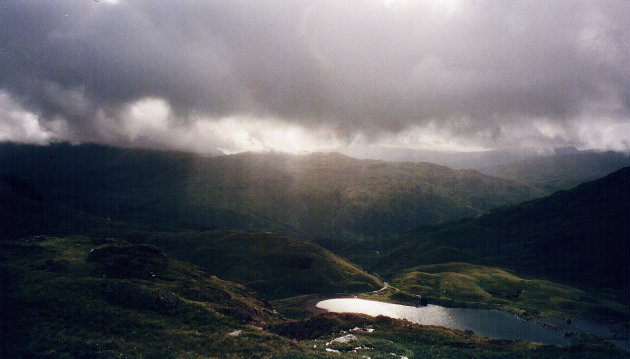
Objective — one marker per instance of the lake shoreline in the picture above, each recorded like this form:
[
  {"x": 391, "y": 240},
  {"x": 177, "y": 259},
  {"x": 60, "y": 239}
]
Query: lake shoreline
[{"x": 553, "y": 333}]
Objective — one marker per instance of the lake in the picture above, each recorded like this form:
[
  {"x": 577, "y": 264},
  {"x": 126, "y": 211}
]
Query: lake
[{"x": 487, "y": 323}]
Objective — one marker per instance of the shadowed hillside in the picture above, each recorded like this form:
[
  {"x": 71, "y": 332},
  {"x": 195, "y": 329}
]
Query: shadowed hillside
[
  {"x": 580, "y": 235},
  {"x": 305, "y": 196},
  {"x": 75, "y": 297},
  {"x": 275, "y": 266}
]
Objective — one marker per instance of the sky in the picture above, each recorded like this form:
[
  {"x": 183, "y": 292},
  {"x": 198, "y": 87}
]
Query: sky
[{"x": 307, "y": 75}]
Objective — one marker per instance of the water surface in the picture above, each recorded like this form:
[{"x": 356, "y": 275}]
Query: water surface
[{"x": 488, "y": 323}]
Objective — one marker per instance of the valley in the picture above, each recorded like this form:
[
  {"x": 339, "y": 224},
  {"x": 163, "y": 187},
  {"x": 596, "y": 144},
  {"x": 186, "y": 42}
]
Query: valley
[
  {"x": 107, "y": 298},
  {"x": 128, "y": 238},
  {"x": 376, "y": 179}
]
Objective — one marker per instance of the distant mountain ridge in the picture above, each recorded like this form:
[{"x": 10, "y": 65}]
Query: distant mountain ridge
[
  {"x": 316, "y": 195},
  {"x": 563, "y": 170},
  {"x": 452, "y": 159}
]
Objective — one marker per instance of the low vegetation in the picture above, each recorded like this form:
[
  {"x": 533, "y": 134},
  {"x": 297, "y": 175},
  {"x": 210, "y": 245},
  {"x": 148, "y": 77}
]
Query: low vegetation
[
  {"x": 476, "y": 286},
  {"x": 577, "y": 236},
  {"x": 275, "y": 266},
  {"x": 120, "y": 260},
  {"x": 62, "y": 300},
  {"x": 359, "y": 336}
]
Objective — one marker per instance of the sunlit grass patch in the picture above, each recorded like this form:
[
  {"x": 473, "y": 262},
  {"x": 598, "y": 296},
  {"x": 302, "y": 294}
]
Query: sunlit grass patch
[{"x": 471, "y": 285}]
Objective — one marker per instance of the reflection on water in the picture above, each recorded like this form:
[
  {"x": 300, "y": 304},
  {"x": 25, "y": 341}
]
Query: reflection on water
[
  {"x": 601, "y": 329},
  {"x": 580, "y": 325},
  {"x": 489, "y": 323}
]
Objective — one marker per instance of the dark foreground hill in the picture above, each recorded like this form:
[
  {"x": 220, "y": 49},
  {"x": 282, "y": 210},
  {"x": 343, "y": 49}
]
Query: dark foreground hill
[
  {"x": 78, "y": 297},
  {"x": 275, "y": 266},
  {"x": 581, "y": 236},
  {"x": 317, "y": 195},
  {"x": 74, "y": 297}
]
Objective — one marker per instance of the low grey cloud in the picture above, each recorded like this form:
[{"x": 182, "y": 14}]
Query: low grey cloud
[{"x": 484, "y": 73}]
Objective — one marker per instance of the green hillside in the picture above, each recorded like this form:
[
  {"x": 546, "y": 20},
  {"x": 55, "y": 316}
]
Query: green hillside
[
  {"x": 579, "y": 236},
  {"x": 79, "y": 297},
  {"x": 74, "y": 297},
  {"x": 71, "y": 289},
  {"x": 275, "y": 266},
  {"x": 460, "y": 284},
  {"x": 308, "y": 196}
]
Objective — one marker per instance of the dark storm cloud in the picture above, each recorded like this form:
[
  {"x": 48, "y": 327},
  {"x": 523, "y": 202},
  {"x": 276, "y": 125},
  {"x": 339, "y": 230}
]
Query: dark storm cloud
[{"x": 485, "y": 69}]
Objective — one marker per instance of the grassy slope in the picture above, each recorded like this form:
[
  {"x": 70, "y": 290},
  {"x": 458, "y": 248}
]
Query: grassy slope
[
  {"x": 579, "y": 236},
  {"x": 275, "y": 266},
  {"x": 304, "y": 196},
  {"x": 331, "y": 194},
  {"x": 33, "y": 281},
  {"x": 469, "y": 285},
  {"x": 57, "y": 303},
  {"x": 442, "y": 275}
]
